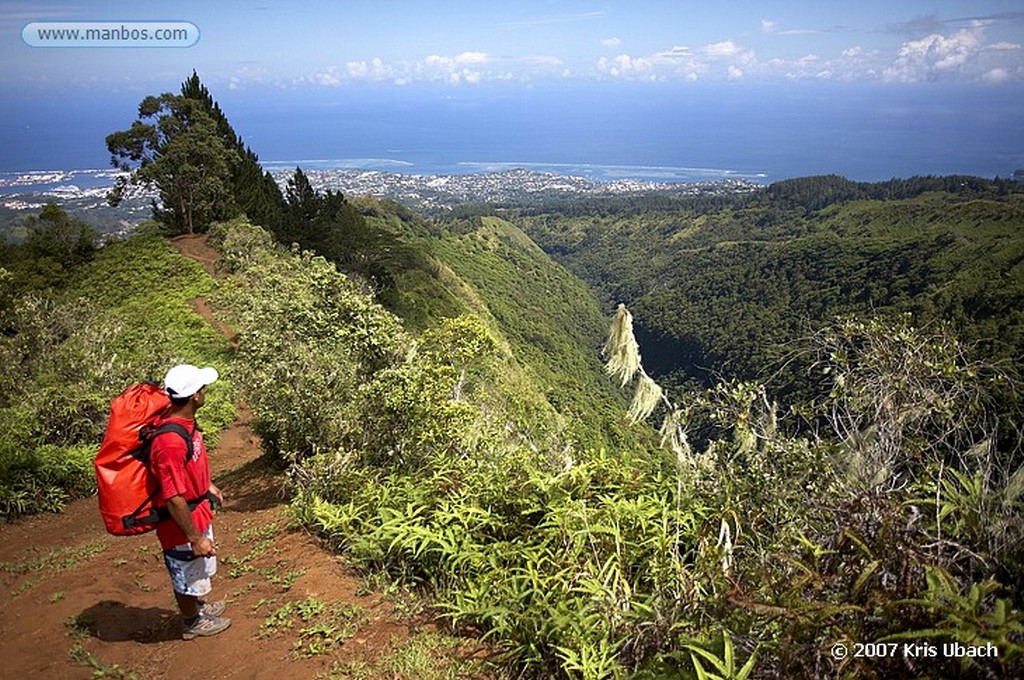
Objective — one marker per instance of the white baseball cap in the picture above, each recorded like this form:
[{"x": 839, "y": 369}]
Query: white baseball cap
[{"x": 184, "y": 380}]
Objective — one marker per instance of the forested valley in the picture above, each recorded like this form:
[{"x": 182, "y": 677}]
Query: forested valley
[{"x": 708, "y": 437}]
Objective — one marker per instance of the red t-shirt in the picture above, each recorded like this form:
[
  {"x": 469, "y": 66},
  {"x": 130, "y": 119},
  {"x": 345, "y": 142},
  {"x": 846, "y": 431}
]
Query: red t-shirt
[{"x": 176, "y": 478}]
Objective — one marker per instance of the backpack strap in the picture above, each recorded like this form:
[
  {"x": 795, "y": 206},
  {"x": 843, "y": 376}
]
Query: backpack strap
[
  {"x": 148, "y": 434},
  {"x": 155, "y": 514},
  {"x": 181, "y": 432}
]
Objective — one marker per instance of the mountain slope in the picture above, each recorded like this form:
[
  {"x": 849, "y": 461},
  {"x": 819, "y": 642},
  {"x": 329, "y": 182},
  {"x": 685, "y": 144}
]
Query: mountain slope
[
  {"x": 540, "y": 312},
  {"x": 731, "y": 286}
]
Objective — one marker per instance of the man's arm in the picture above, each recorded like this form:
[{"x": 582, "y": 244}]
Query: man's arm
[{"x": 177, "y": 506}]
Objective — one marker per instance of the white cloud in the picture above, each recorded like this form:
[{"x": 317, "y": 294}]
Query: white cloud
[
  {"x": 478, "y": 67},
  {"x": 375, "y": 70},
  {"x": 472, "y": 58},
  {"x": 462, "y": 68},
  {"x": 677, "y": 52},
  {"x": 722, "y": 60},
  {"x": 726, "y": 48},
  {"x": 996, "y": 75},
  {"x": 962, "y": 56},
  {"x": 328, "y": 78},
  {"x": 625, "y": 66},
  {"x": 959, "y": 56},
  {"x": 357, "y": 69},
  {"x": 463, "y": 59}
]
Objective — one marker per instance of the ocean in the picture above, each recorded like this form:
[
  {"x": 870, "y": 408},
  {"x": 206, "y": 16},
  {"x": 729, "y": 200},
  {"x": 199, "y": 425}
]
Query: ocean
[{"x": 664, "y": 132}]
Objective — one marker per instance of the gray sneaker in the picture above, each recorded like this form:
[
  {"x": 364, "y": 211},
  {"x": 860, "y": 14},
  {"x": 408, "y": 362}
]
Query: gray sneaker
[
  {"x": 211, "y": 608},
  {"x": 204, "y": 626}
]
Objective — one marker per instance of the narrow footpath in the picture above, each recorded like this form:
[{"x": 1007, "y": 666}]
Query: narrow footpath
[{"x": 76, "y": 602}]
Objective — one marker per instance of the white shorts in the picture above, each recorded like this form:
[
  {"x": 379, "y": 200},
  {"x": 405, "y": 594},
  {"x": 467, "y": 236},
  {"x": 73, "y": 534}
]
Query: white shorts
[{"x": 190, "y": 575}]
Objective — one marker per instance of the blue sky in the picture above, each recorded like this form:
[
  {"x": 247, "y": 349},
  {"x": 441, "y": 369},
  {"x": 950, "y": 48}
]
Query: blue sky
[
  {"x": 311, "y": 45},
  {"x": 871, "y": 89}
]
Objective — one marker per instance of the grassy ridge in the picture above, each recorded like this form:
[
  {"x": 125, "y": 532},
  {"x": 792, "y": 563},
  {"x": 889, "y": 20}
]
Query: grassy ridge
[
  {"x": 551, "y": 320},
  {"x": 471, "y": 451},
  {"x": 541, "y": 314},
  {"x": 125, "y": 316}
]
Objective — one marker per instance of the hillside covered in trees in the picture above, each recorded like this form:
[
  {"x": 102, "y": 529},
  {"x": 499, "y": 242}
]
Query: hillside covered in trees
[
  {"x": 822, "y": 450},
  {"x": 726, "y": 286}
]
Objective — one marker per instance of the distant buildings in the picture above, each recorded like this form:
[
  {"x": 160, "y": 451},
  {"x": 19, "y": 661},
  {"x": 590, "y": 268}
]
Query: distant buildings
[{"x": 444, "y": 192}]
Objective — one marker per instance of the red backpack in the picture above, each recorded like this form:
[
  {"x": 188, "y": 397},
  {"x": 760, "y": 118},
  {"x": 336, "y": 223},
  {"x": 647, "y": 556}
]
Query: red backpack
[{"x": 127, "y": 489}]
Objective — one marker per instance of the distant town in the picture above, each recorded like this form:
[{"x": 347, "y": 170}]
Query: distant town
[
  {"x": 83, "y": 192},
  {"x": 512, "y": 187},
  {"x": 87, "y": 188}
]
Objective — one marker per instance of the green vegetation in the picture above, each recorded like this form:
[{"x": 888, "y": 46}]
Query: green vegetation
[
  {"x": 319, "y": 626},
  {"x": 184, "y": 146},
  {"x": 174, "y": 146},
  {"x": 253, "y": 192},
  {"x": 727, "y": 286},
  {"x": 54, "y": 244},
  {"x": 57, "y": 559},
  {"x": 58, "y": 239},
  {"x": 552, "y": 322},
  {"x": 51, "y": 564},
  {"x": 434, "y": 393},
  {"x": 329, "y": 224},
  {"x": 416, "y": 285},
  {"x": 581, "y": 561},
  {"x": 72, "y": 343},
  {"x": 545, "y": 318},
  {"x": 80, "y": 655},
  {"x": 425, "y": 656}
]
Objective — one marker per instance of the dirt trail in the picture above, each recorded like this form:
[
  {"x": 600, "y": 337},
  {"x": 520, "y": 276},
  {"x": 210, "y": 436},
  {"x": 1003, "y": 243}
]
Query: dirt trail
[{"x": 68, "y": 586}]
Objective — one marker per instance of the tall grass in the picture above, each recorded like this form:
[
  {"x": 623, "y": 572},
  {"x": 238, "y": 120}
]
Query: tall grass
[{"x": 124, "y": 317}]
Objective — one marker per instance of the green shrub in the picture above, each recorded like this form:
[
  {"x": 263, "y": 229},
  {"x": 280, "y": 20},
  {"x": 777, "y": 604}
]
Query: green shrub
[
  {"x": 308, "y": 337},
  {"x": 46, "y": 478},
  {"x": 123, "y": 317},
  {"x": 746, "y": 548}
]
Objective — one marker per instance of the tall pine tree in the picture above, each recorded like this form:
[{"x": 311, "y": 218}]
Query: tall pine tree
[{"x": 254, "y": 191}]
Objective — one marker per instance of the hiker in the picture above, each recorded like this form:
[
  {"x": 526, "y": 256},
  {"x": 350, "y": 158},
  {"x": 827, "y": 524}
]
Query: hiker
[{"x": 190, "y": 552}]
